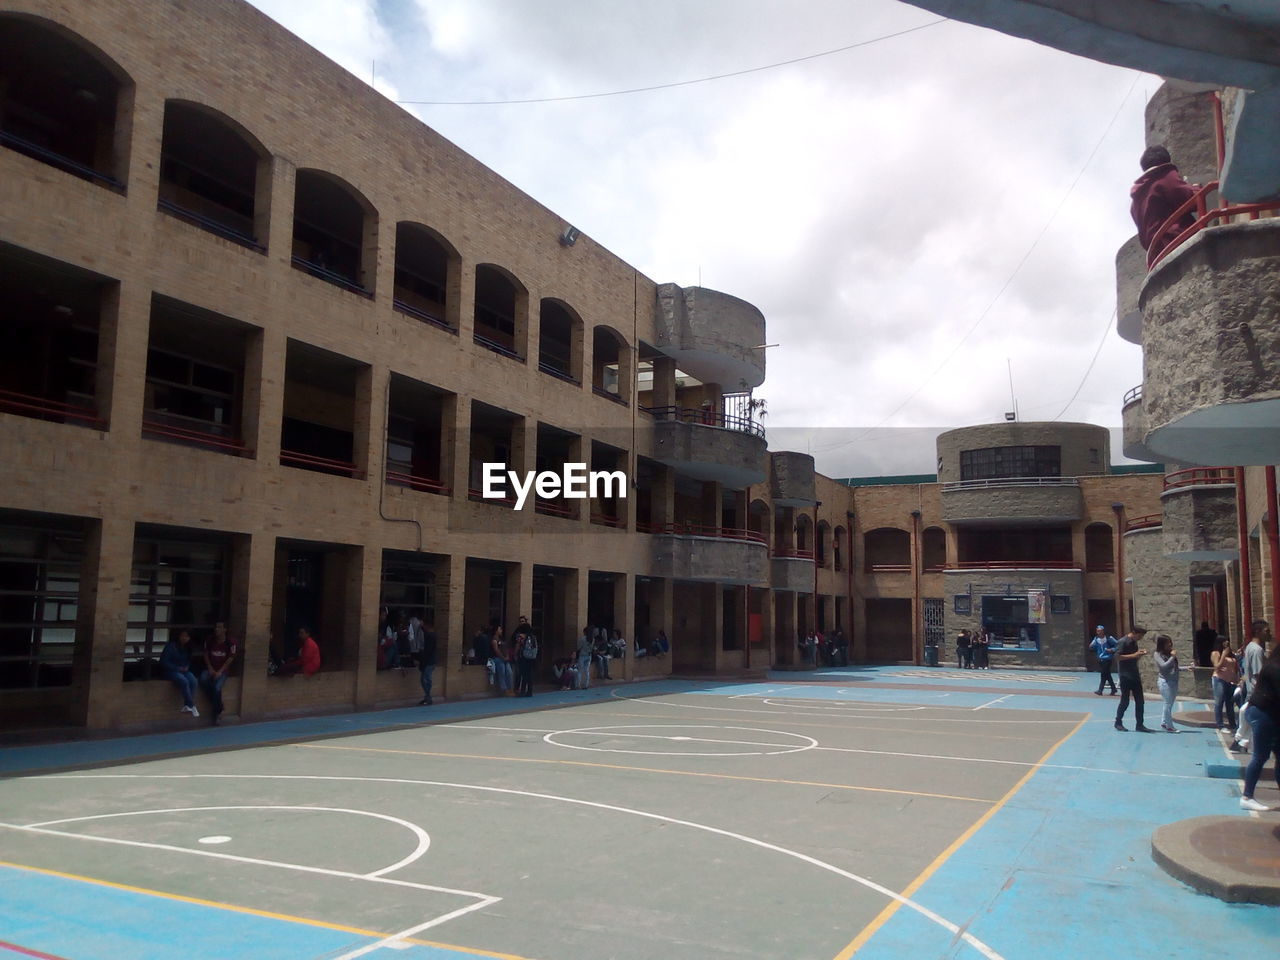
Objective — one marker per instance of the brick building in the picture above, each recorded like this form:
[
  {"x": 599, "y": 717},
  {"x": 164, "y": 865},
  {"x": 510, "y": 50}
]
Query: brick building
[{"x": 260, "y": 329}]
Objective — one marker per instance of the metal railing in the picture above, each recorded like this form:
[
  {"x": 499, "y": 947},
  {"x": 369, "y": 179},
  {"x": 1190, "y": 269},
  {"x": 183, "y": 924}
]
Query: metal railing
[
  {"x": 42, "y": 408},
  {"x": 54, "y": 159},
  {"x": 604, "y": 520},
  {"x": 324, "y": 273},
  {"x": 410, "y": 310},
  {"x": 307, "y": 461},
  {"x": 208, "y": 223},
  {"x": 1204, "y": 217},
  {"x": 200, "y": 438},
  {"x": 609, "y": 395},
  {"x": 559, "y": 374},
  {"x": 1145, "y": 522},
  {"x": 1200, "y": 476},
  {"x": 1013, "y": 565},
  {"x": 707, "y": 418},
  {"x": 551, "y": 508},
  {"x": 1133, "y": 396},
  {"x": 791, "y": 553},
  {"x": 478, "y": 496},
  {"x": 681, "y": 529},
  {"x": 414, "y": 482},
  {"x": 886, "y": 567},
  {"x": 496, "y": 347},
  {"x": 1011, "y": 482}
]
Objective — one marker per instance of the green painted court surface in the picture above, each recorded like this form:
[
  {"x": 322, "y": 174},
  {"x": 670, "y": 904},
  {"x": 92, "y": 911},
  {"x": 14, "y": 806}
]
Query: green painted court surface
[{"x": 760, "y": 821}]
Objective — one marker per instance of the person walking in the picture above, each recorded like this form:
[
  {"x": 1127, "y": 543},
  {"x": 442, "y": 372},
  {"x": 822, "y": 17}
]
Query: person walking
[
  {"x": 1226, "y": 674},
  {"x": 1263, "y": 715},
  {"x": 963, "y": 650},
  {"x": 426, "y": 655},
  {"x": 1251, "y": 661},
  {"x": 1128, "y": 653},
  {"x": 1166, "y": 662},
  {"x": 526, "y": 657},
  {"x": 1104, "y": 647}
]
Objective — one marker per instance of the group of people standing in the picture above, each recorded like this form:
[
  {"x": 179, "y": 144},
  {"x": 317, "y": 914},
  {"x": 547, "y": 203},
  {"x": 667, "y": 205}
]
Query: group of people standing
[
  {"x": 408, "y": 641},
  {"x": 1248, "y": 678},
  {"x": 510, "y": 661},
  {"x": 972, "y": 650},
  {"x": 824, "y": 649}
]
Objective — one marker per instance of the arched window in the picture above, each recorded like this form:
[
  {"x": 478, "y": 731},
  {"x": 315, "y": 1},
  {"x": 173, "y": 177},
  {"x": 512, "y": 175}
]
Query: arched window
[
  {"x": 210, "y": 174},
  {"x": 837, "y": 550},
  {"x": 933, "y": 549},
  {"x": 610, "y": 364},
  {"x": 1098, "y": 549},
  {"x": 335, "y": 232},
  {"x": 426, "y": 276},
  {"x": 887, "y": 550},
  {"x": 824, "y": 535},
  {"x": 560, "y": 341},
  {"x": 804, "y": 535},
  {"x": 758, "y": 521},
  {"x": 502, "y": 309},
  {"x": 62, "y": 101}
]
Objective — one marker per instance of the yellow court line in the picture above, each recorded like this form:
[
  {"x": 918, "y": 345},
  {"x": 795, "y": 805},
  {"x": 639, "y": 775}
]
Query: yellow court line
[
  {"x": 883, "y": 917},
  {"x": 617, "y": 766},
  {"x": 251, "y": 911}
]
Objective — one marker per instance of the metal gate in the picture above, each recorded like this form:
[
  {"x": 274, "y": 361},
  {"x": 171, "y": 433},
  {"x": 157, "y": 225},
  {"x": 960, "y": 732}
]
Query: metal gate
[{"x": 935, "y": 633}]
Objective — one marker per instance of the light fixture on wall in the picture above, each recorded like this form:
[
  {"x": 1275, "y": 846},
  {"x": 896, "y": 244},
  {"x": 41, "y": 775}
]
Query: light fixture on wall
[{"x": 570, "y": 236}]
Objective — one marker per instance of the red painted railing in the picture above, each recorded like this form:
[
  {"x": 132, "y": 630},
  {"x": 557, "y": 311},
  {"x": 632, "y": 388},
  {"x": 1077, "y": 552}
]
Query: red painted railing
[
  {"x": 604, "y": 520},
  {"x": 550, "y": 508},
  {"x": 1013, "y": 565},
  {"x": 886, "y": 568},
  {"x": 306, "y": 461},
  {"x": 474, "y": 494},
  {"x": 425, "y": 484},
  {"x": 1199, "y": 476},
  {"x": 700, "y": 530},
  {"x": 791, "y": 553},
  {"x": 203, "y": 438},
  {"x": 1144, "y": 522},
  {"x": 1204, "y": 218},
  {"x": 707, "y": 418},
  {"x": 28, "y": 406}
]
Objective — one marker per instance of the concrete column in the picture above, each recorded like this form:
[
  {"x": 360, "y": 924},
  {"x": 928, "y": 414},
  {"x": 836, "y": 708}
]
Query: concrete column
[
  {"x": 624, "y": 616},
  {"x": 451, "y": 605},
  {"x": 122, "y": 360},
  {"x": 369, "y": 428},
  {"x": 252, "y": 582},
  {"x": 364, "y": 594},
  {"x": 279, "y": 236},
  {"x": 265, "y": 381},
  {"x": 664, "y": 382},
  {"x": 457, "y": 424},
  {"x": 519, "y": 593},
  {"x": 102, "y": 622}
]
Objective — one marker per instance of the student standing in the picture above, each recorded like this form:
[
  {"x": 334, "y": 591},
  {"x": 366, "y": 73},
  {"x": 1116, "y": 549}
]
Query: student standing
[
  {"x": 1166, "y": 662},
  {"x": 1128, "y": 654},
  {"x": 1263, "y": 714},
  {"x": 1250, "y": 665},
  {"x": 1226, "y": 674},
  {"x": 426, "y": 656},
  {"x": 1104, "y": 646}
]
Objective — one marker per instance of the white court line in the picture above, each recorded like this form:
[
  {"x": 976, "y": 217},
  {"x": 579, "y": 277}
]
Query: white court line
[
  {"x": 424, "y": 841},
  {"x": 991, "y": 703},
  {"x": 651, "y": 701},
  {"x": 954, "y": 929},
  {"x": 782, "y": 747},
  {"x": 1016, "y": 763},
  {"x": 402, "y": 935}
]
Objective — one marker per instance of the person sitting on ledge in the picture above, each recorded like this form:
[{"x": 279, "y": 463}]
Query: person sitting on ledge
[{"x": 307, "y": 662}]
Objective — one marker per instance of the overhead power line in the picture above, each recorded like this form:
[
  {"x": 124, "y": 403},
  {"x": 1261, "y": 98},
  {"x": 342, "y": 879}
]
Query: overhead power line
[{"x": 676, "y": 83}]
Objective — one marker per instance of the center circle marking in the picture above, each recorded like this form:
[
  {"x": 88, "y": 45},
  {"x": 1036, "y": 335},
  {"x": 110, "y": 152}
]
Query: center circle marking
[
  {"x": 800, "y": 744},
  {"x": 214, "y": 840}
]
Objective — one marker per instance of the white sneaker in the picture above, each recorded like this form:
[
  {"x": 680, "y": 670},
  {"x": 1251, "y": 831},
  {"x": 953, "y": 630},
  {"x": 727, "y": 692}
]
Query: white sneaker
[
  {"x": 1244, "y": 744},
  {"x": 184, "y": 709},
  {"x": 195, "y": 712},
  {"x": 1248, "y": 803}
]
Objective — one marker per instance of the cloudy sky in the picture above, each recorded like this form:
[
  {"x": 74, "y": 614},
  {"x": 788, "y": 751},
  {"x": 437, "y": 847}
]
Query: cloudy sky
[{"x": 915, "y": 216}]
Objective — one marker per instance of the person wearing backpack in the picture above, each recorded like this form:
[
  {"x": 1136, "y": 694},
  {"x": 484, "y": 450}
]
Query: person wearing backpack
[
  {"x": 1104, "y": 647},
  {"x": 526, "y": 643}
]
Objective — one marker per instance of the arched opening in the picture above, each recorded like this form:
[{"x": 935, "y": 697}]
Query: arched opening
[
  {"x": 502, "y": 309},
  {"x": 933, "y": 549},
  {"x": 62, "y": 101},
  {"x": 838, "y": 555},
  {"x": 1098, "y": 550},
  {"x": 758, "y": 521},
  {"x": 211, "y": 172},
  {"x": 334, "y": 232},
  {"x": 822, "y": 543},
  {"x": 804, "y": 536},
  {"x": 426, "y": 276},
  {"x": 887, "y": 550},
  {"x": 559, "y": 341},
  {"x": 609, "y": 364}
]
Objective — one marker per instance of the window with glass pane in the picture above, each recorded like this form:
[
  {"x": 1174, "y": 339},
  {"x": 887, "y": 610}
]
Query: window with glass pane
[
  {"x": 993, "y": 463},
  {"x": 176, "y": 586},
  {"x": 39, "y": 602},
  {"x": 409, "y": 585}
]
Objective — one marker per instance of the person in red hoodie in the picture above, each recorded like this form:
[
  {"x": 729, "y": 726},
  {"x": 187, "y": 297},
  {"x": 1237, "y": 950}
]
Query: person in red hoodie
[
  {"x": 1156, "y": 195},
  {"x": 307, "y": 662}
]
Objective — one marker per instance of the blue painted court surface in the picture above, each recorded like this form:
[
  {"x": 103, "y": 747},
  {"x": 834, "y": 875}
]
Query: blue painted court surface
[{"x": 1048, "y": 857}]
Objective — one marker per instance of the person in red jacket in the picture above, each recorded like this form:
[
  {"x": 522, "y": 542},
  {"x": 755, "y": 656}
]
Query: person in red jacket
[
  {"x": 1156, "y": 195},
  {"x": 307, "y": 662}
]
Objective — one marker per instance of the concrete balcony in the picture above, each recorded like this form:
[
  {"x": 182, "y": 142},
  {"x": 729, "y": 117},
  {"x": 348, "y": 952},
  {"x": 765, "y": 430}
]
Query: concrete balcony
[
  {"x": 1135, "y": 427},
  {"x": 709, "y": 446},
  {"x": 711, "y": 335},
  {"x": 1211, "y": 348},
  {"x": 1013, "y": 500},
  {"x": 708, "y": 554},
  {"x": 1199, "y": 514},
  {"x": 1131, "y": 271},
  {"x": 792, "y": 480},
  {"x": 792, "y": 570}
]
